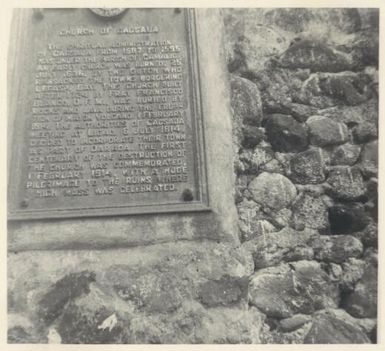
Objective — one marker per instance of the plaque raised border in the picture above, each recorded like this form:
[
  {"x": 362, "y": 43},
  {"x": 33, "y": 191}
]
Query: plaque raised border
[{"x": 16, "y": 212}]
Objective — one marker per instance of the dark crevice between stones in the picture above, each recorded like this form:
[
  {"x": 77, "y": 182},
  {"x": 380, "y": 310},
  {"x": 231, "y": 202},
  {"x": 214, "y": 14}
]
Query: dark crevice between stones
[
  {"x": 344, "y": 296},
  {"x": 272, "y": 323},
  {"x": 347, "y": 219}
]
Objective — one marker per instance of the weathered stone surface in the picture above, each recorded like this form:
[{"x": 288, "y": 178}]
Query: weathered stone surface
[
  {"x": 190, "y": 324},
  {"x": 301, "y": 112},
  {"x": 353, "y": 115},
  {"x": 352, "y": 271},
  {"x": 310, "y": 212},
  {"x": 346, "y": 154},
  {"x": 346, "y": 20},
  {"x": 289, "y": 289},
  {"x": 369, "y": 17},
  {"x": 285, "y": 134},
  {"x": 347, "y": 218},
  {"x": 281, "y": 218},
  {"x": 369, "y": 235},
  {"x": 316, "y": 56},
  {"x": 250, "y": 44},
  {"x": 254, "y": 160},
  {"x": 334, "y": 270},
  {"x": 246, "y": 108},
  {"x": 337, "y": 248},
  {"x": 362, "y": 302},
  {"x": 324, "y": 131},
  {"x": 277, "y": 336},
  {"x": 222, "y": 292},
  {"x": 325, "y": 90},
  {"x": 372, "y": 194},
  {"x": 307, "y": 167},
  {"x": 365, "y": 132},
  {"x": 335, "y": 327},
  {"x": 252, "y": 136},
  {"x": 150, "y": 291},
  {"x": 140, "y": 295},
  {"x": 252, "y": 221},
  {"x": 273, "y": 166},
  {"x": 280, "y": 88},
  {"x": 364, "y": 48},
  {"x": 272, "y": 190},
  {"x": 346, "y": 183},
  {"x": 293, "y": 323},
  {"x": 369, "y": 159},
  {"x": 283, "y": 246},
  {"x": 18, "y": 335},
  {"x": 245, "y": 101}
]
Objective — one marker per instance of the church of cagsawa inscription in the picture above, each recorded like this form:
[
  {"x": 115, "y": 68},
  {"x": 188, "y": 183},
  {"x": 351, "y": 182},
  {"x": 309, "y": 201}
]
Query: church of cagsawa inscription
[{"x": 112, "y": 123}]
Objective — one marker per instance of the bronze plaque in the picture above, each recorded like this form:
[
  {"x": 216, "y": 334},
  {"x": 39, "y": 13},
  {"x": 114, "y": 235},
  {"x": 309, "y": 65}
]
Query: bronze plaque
[{"x": 108, "y": 118}]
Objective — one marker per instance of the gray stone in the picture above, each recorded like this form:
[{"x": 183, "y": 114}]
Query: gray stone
[
  {"x": 250, "y": 44},
  {"x": 295, "y": 322},
  {"x": 346, "y": 183},
  {"x": 369, "y": 159},
  {"x": 325, "y": 132},
  {"x": 335, "y": 327},
  {"x": 222, "y": 292},
  {"x": 324, "y": 90},
  {"x": 362, "y": 302},
  {"x": 252, "y": 136},
  {"x": 316, "y": 56},
  {"x": 245, "y": 101},
  {"x": 369, "y": 235},
  {"x": 246, "y": 109},
  {"x": 307, "y": 167},
  {"x": 327, "y": 21},
  {"x": 149, "y": 291},
  {"x": 285, "y": 134},
  {"x": 364, "y": 48},
  {"x": 288, "y": 289},
  {"x": 301, "y": 112},
  {"x": 334, "y": 270},
  {"x": 281, "y": 218},
  {"x": 18, "y": 335},
  {"x": 252, "y": 221},
  {"x": 369, "y": 18},
  {"x": 284, "y": 246},
  {"x": 365, "y": 132},
  {"x": 280, "y": 88},
  {"x": 337, "y": 248},
  {"x": 352, "y": 271},
  {"x": 353, "y": 115},
  {"x": 310, "y": 212},
  {"x": 278, "y": 336},
  {"x": 272, "y": 190},
  {"x": 253, "y": 160},
  {"x": 346, "y": 154},
  {"x": 273, "y": 166}
]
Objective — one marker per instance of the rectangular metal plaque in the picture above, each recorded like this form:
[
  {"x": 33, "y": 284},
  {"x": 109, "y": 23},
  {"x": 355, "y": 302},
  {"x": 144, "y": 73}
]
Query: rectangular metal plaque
[{"x": 108, "y": 118}]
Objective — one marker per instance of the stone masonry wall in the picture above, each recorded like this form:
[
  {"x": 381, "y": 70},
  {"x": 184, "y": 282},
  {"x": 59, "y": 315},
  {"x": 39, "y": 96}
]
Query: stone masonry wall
[{"x": 304, "y": 86}]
